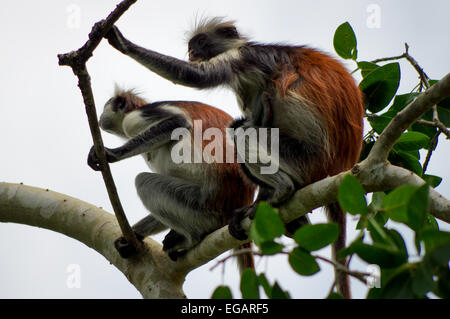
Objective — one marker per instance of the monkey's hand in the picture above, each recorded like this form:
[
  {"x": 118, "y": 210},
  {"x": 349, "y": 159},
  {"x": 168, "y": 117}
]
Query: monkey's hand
[
  {"x": 125, "y": 249},
  {"x": 239, "y": 214},
  {"x": 94, "y": 162},
  {"x": 117, "y": 40}
]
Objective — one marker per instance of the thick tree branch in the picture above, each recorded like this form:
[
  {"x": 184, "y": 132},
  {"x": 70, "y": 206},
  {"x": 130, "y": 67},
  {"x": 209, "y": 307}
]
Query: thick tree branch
[
  {"x": 373, "y": 178},
  {"x": 151, "y": 272},
  {"x": 77, "y": 61}
]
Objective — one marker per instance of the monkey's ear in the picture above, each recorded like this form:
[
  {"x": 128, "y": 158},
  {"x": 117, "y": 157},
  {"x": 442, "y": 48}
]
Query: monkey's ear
[{"x": 228, "y": 32}]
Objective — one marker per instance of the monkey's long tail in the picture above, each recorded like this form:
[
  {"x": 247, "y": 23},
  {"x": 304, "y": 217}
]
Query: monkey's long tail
[
  {"x": 245, "y": 260},
  {"x": 338, "y": 216}
]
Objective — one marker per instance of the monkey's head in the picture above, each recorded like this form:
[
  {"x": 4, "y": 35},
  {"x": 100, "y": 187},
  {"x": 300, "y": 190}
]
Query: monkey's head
[
  {"x": 116, "y": 108},
  {"x": 212, "y": 37}
]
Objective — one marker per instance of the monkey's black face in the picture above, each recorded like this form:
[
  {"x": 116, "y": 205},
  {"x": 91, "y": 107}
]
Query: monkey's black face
[
  {"x": 202, "y": 47},
  {"x": 205, "y": 46}
]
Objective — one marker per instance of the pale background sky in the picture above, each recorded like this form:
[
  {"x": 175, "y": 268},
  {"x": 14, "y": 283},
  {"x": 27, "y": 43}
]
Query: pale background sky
[{"x": 45, "y": 136}]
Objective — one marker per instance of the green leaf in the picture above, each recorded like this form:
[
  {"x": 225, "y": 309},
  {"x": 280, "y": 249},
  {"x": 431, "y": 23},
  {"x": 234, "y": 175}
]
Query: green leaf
[
  {"x": 398, "y": 241},
  {"x": 441, "y": 255},
  {"x": 401, "y": 101},
  {"x": 431, "y": 223},
  {"x": 314, "y": 237},
  {"x": 406, "y": 160},
  {"x": 437, "y": 246},
  {"x": 379, "y": 233},
  {"x": 434, "y": 239},
  {"x": 377, "y": 203},
  {"x": 278, "y": 293},
  {"x": 395, "y": 203},
  {"x": 344, "y": 42},
  {"x": 422, "y": 279},
  {"x": 445, "y": 103},
  {"x": 249, "y": 284},
  {"x": 410, "y": 141},
  {"x": 265, "y": 284},
  {"x": 267, "y": 225},
  {"x": 379, "y": 122},
  {"x": 444, "y": 116},
  {"x": 270, "y": 248},
  {"x": 432, "y": 180},
  {"x": 418, "y": 208},
  {"x": 399, "y": 287},
  {"x": 351, "y": 196},
  {"x": 380, "y": 86},
  {"x": 380, "y": 254},
  {"x": 366, "y": 67},
  {"x": 427, "y": 130},
  {"x": 334, "y": 295},
  {"x": 302, "y": 262},
  {"x": 443, "y": 284},
  {"x": 222, "y": 292}
]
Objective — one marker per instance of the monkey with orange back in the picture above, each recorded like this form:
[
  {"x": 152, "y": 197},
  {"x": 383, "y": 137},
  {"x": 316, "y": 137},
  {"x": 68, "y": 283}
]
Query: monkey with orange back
[{"x": 192, "y": 199}]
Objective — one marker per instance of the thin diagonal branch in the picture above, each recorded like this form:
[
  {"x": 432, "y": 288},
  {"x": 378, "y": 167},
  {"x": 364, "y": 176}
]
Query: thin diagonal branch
[
  {"x": 77, "y": 61},
  {"x": 423, "y": 76},
  {"x": 433, "y": 145}
]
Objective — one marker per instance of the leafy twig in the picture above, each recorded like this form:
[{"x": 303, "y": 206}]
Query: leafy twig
[
  {"x": 423, "y": 76},
  {"x": 398, "y": 57},
  {"x": 357, "y": 274}
]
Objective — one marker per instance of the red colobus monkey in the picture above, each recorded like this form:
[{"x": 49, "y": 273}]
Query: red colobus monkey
[
  {"x": 307, "y": 94},
  {"x": 192, "y": 199}
]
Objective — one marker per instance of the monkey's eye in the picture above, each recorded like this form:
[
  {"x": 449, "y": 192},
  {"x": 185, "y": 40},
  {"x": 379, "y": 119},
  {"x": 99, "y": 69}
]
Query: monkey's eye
[{"x": 119, "y": 103}]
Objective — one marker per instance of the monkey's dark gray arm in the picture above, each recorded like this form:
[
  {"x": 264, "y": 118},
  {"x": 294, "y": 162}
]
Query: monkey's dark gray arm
[
  {"x": 198, "y": 75},
  {"x": 155, "y": 136}
]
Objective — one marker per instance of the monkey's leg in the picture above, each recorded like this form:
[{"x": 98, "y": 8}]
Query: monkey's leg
[
  {"x": 268, "y": 170},
  {"x": 180, "y": 205}
]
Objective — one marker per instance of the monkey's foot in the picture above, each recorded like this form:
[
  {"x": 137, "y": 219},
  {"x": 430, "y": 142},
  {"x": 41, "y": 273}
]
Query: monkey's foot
[
  {"x": 172, "y": 239},
  {"x": 173, "y": 245},
  {"x": 239, "y": 215},
  {"x": 125, "y": 249},
  {"x": 175, "y": 254}
]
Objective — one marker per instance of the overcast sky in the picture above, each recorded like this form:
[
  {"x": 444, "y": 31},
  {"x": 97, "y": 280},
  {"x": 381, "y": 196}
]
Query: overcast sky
[{"x": 45, "y": 135}]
